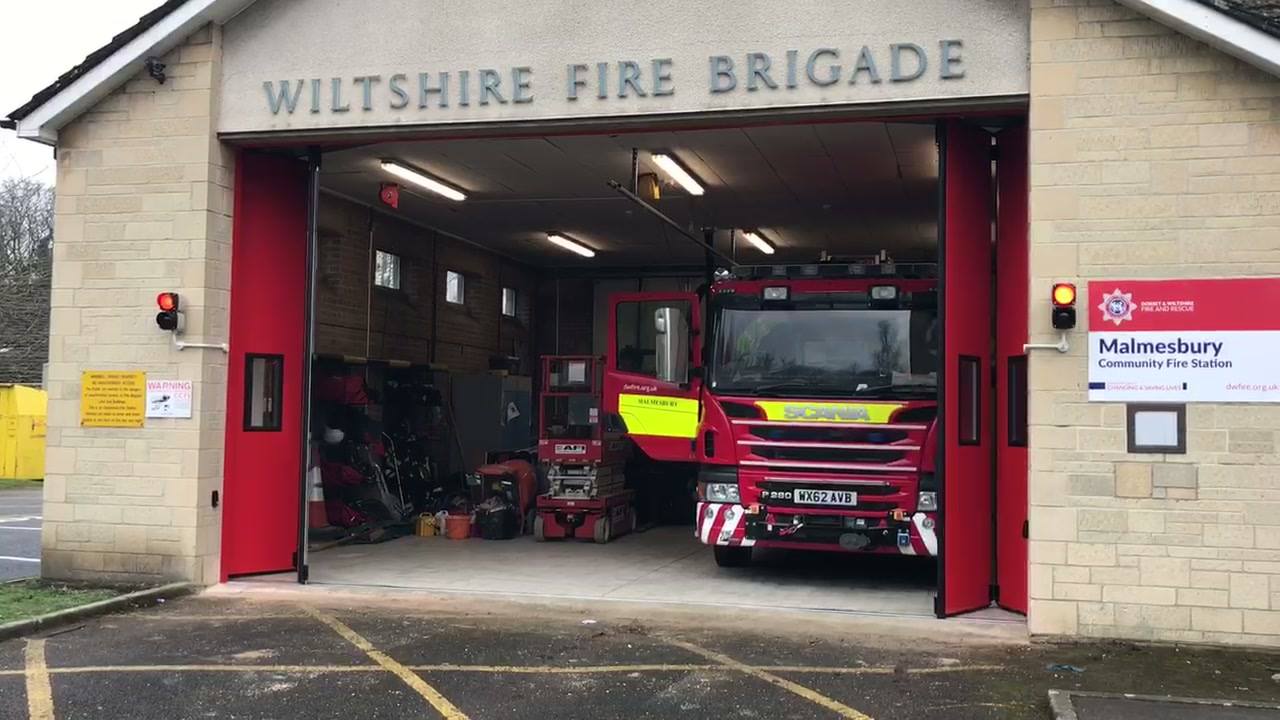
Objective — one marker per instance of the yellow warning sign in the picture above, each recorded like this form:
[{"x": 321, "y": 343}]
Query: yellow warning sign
[{"x": 113, "y": 398}]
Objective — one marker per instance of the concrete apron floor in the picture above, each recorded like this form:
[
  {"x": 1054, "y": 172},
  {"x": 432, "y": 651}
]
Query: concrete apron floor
[{"x": 665, "y": 565}]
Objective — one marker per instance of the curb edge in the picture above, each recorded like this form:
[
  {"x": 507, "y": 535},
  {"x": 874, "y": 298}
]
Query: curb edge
[{"x": 128, "y": 601}]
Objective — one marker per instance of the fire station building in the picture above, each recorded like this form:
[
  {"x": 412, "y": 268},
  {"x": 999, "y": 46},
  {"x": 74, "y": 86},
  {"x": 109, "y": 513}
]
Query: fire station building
[{"x": 976, "y": 296}]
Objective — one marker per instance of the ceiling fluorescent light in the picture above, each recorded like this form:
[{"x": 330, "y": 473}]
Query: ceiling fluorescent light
[
  {"x": 761, "y": 244},
  {"x": 676, "y": 172},
  {"x": 423, "y": 181},
  {"x": 571, "y": 245}
]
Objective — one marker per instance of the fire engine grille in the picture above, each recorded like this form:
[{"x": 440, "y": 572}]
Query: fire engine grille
[
  {"x": 827, "y": 454},
  {"x": 861, "y": 489},
  {"x": 801, "y": 433}
]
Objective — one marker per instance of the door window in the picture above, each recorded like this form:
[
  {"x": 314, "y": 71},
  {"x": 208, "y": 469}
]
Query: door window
[
  {"x": 653, "y": 339},
  {"x": 1018, "y": 401},
  {"x": 970, "y": 406},
  {"x": 263, "y": 382}
]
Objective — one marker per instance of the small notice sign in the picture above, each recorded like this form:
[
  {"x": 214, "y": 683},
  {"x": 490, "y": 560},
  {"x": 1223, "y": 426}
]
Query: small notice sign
[
  {"x": 1180, "y": 341},
  {"x": 168, "y": 398},
  {"x": 113, "y": 398}
]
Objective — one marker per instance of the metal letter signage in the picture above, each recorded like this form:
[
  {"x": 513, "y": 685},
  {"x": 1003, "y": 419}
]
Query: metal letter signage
[
  {"x": 823, "y": 67},
  {"x": 1184, "y": 340}
]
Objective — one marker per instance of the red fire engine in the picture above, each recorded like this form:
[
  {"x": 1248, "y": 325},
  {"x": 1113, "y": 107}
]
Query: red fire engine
[{"x": 807, "y": 398}]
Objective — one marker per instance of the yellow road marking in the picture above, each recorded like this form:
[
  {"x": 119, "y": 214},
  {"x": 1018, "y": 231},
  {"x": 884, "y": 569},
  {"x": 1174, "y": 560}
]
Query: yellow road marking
[
  {"x": 227, "y": 618},
  {"x": 446, "y": 709},
  {"x": 39, "y": 691},
  {"x": 300, "y": 669},
  {"x": 561, "y": 670},
  {"x": 513, "y": 669},
  {"x": 876, "y": 670},
  {"x": 807, "y": 693},
  {"x": 953, "y": 668}
]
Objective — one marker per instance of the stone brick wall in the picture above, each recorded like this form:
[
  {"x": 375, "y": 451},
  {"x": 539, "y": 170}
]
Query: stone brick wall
[
  {"x": 143, "y": 205},
  {"x": 1153, "y": 156}
]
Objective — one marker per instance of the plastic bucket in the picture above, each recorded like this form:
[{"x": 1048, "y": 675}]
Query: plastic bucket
[{"x": 457, "y": 527}]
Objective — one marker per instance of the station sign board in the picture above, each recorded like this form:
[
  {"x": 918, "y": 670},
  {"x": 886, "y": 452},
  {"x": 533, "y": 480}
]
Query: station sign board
[{"x": 1181, "y": 341}]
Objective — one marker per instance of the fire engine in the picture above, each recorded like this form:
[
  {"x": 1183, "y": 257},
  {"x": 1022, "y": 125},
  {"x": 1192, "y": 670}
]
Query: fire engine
[{"x": 805, "y": 396}]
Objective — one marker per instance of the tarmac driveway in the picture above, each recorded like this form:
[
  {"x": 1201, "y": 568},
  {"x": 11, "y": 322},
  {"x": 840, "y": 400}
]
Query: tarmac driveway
[
  {"x": 326, "y": 656},
  {"x": 20, "y": 519}
]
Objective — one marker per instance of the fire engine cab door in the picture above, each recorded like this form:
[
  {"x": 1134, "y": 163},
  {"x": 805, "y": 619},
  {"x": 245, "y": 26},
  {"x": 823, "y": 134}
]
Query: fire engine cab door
[
  {"x": 653, "y": 380},
  {"x": 965, "y": 567}
]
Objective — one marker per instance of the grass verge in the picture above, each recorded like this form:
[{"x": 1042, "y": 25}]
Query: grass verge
[{"x": 29, "y": 598}]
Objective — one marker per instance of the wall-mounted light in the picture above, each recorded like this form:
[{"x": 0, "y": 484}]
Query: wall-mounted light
[
  {"x": 572, "y": 246},
  {"x": 422, "y": 180},
  {"x": 678, "y": 174},
  {"x": 754, "y": 237}
]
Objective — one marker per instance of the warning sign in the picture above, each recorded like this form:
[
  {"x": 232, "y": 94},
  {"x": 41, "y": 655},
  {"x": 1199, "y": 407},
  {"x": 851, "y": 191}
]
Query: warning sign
[
  {"x": 168, "y": 398},
  {"x": 113, "y": 398}
]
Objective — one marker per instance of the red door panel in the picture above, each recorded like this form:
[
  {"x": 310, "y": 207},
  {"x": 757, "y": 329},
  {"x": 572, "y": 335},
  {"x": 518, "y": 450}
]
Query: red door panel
[
  {"x": 1012, "y": 281},
  {"x": 967, "y": 542},
  {"x": 661, "y": 417},
  {"x": 265, "y": 366}
]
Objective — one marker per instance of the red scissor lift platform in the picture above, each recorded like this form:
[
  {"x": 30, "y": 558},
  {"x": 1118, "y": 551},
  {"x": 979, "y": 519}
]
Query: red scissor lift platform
[{"x": 584, "y": 462}]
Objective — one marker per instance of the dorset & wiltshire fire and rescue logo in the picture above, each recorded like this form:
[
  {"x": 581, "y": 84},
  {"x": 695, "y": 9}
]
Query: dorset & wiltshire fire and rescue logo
[{"x": 1117, "y": 307}]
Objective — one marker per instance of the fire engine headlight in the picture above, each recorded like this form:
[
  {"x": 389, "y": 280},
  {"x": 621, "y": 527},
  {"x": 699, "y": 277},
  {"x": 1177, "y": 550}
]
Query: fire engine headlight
[
  {"x": 927, "y": 501},
  {"x": 723, "y": 493},
  {"x": 776, "y": 293}
]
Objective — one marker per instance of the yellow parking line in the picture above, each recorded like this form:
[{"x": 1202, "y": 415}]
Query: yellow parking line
[
  {"x": 300, "y": 669},
  {"x": 953, "y": 668},
  {"x": 513, "y": 669},
  {"x": 39, "y": 691},
  {"x": 561, "y": 670},
  {"x": 876, "y": 670},
  {"x": 446, "y": 709},
  {"x": 809, "y": 694},
  {"x": 226, "y": 618}
]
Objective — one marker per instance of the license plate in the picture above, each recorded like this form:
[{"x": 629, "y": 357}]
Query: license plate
[{"x": 825, "y": 497}]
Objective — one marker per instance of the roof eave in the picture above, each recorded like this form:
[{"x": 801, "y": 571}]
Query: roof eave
[
  {"x": 1216, "y": 28},
  {"x": 44, "y": 121}
]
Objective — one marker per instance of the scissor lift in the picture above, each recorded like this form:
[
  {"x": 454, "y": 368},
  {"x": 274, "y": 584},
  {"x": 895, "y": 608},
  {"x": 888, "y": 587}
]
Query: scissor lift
[{"x": 584, "y": 463}]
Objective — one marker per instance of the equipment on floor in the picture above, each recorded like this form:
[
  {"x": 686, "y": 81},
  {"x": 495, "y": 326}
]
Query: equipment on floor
[
  {"x": 513, "y": 482},
  {"x": 583, "y": 460}
]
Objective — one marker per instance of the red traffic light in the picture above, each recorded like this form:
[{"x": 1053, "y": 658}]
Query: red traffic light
[
  {"x": 1064, "y": 294},
  {"x": 168, "y": 301}
]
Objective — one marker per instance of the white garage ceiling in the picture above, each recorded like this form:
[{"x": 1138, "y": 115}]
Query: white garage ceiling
[{"x": 846, "y": 188}]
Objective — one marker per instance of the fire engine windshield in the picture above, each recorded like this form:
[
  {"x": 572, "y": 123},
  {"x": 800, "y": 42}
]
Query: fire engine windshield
[{"x": 798, "y": 351}]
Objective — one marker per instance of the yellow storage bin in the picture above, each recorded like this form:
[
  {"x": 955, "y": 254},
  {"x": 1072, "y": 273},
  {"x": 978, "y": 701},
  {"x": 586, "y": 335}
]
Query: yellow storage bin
[{"x": 23, "y": 417}]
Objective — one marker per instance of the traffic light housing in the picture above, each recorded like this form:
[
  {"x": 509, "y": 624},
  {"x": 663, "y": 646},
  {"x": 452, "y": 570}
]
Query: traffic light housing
[
  {"x": 170, "y": 316},
  {"x": 1064, "y": 306}
]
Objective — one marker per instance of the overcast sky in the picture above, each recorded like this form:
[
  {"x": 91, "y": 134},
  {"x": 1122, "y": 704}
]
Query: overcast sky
[{"x": 39, "y": 41}]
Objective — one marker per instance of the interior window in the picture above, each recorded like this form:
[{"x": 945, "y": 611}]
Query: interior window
[
  {"x": 454, "y": 287},
  {"x": 386, "y": 270},
  {"x": 509, "y": 302}
]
